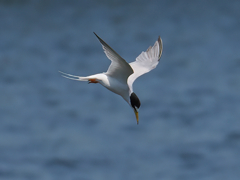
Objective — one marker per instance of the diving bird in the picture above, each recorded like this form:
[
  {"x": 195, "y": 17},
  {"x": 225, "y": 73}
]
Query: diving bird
[{"x": 120, "y": 75}]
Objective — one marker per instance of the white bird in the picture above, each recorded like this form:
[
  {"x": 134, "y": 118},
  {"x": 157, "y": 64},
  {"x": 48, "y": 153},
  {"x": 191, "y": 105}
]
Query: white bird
[{"x": 120, "y": 75}]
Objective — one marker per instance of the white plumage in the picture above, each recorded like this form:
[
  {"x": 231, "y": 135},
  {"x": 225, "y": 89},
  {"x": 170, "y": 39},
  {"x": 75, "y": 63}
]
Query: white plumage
[{"x": 120, "y": 75}]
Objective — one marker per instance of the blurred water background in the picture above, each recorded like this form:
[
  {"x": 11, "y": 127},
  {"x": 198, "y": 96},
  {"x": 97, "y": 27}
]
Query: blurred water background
[{"x": 54, "y": 128}]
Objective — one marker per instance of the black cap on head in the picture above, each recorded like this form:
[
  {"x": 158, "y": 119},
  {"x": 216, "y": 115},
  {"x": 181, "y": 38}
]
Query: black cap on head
[{"x": 135, "y": 102}]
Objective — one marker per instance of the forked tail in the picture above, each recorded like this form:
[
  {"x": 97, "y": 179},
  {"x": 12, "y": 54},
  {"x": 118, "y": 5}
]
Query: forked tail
[{"x": 73, "y": 77}]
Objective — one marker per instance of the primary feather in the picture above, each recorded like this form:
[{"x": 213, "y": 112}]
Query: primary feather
[
  {"x": 146, "y": 61},
  {"x": 118, "y": 68}
]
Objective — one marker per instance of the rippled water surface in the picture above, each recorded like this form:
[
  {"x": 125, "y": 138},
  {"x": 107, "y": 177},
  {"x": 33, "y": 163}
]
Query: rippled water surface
[{"x": 54, "y": 128}]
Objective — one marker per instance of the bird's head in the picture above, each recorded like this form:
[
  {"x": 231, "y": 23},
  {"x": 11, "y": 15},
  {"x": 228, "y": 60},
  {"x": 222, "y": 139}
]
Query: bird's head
[{"x": 135, "y": 103}]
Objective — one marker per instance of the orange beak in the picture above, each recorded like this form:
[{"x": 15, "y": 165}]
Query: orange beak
[{"x": 136, "y": 114}]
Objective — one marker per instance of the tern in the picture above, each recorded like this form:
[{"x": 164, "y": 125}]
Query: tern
[{"x": 120, "y": 75}]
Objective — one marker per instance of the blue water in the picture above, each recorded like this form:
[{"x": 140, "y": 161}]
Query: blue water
[{"x": 54, "y": 128}]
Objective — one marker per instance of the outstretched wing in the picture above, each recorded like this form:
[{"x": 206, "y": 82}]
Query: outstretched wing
[
  {"x": 118, "y": 68},
  {"x": 146, "y": 61}
]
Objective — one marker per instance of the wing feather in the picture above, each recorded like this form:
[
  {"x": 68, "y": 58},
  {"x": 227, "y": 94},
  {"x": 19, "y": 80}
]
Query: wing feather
[
  {"x": 146, "y": 61},
  {"x": 118, "y": 68}
]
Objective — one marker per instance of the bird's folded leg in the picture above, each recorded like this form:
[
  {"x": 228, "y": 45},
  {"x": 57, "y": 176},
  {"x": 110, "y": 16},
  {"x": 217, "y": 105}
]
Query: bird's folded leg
[{"x": 92, "y": 81}]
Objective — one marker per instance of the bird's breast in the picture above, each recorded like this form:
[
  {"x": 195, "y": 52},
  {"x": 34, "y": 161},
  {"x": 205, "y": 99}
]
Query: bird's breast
[{"x": 116, "y": 86}]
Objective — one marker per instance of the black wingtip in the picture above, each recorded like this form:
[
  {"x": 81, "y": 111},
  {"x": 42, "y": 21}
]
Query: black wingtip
[
  {"x": 101, "y": 41},
  {"x": 160, "y": 47},
  {"x": 96, "y": 35}
]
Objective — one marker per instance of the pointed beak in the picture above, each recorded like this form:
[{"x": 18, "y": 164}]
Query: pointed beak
[{"x": 136, "y": 114}]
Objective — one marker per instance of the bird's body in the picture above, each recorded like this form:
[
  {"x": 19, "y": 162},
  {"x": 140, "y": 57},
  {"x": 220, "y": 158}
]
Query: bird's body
[
  {"x": 111, "y": 83},
  {"x": 121, "y": 75}
]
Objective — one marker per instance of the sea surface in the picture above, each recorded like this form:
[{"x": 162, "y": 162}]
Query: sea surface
[{"x": 52, "y": 128}]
